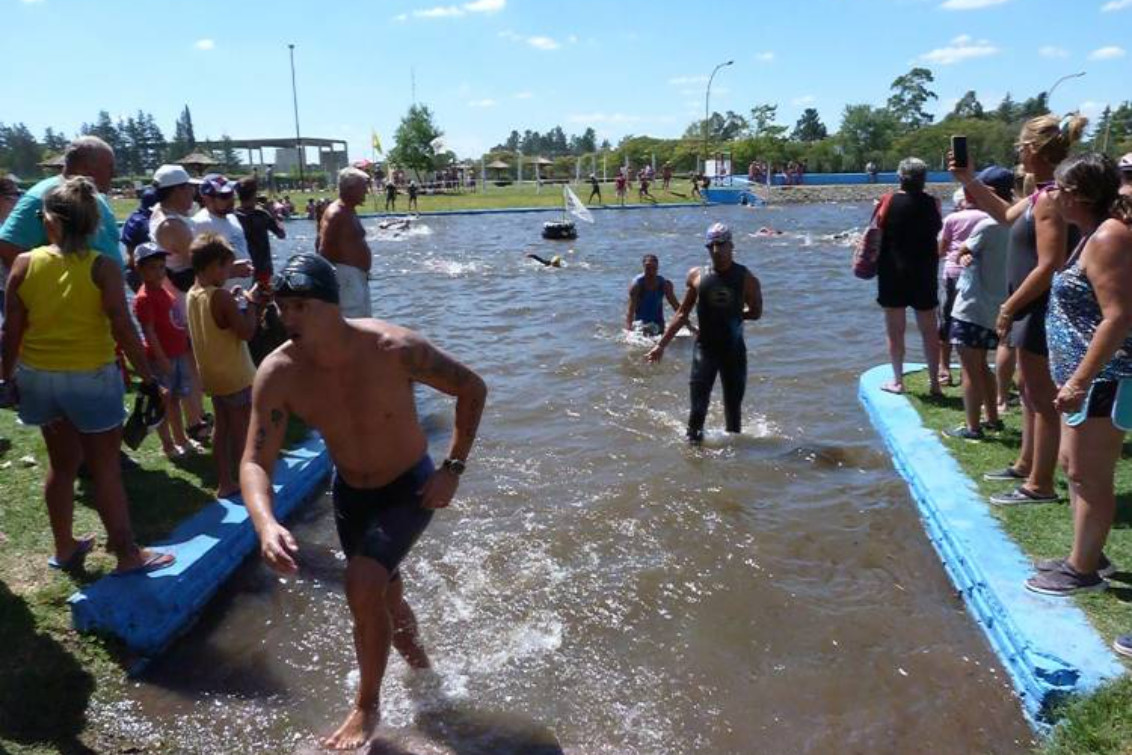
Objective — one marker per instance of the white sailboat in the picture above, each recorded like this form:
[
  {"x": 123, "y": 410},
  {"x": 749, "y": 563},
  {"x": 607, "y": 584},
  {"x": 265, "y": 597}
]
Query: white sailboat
[{"x": 565, "y": 228}]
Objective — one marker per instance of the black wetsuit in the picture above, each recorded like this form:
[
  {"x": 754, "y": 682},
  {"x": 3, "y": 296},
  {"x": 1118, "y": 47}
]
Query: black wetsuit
[
  {"x": 719, "y": 349},
  {"x": 595, "y": 190},
  {"x": 382, "y": 523}
]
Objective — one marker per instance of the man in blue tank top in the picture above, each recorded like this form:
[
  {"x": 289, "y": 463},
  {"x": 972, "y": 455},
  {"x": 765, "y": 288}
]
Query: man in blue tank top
[
  {"x": 646, "y": 298},
  {"x": 724, "y": 295}
]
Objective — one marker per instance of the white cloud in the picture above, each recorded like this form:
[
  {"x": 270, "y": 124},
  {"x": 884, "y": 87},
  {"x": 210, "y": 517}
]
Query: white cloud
[
  {"x": 440, "y": 11},
  {"x": 542, "y": 43},
  {"x": 485, "y": 6},
  {"x": 485, "y": 102},
  {"x": 806, "y": 99},
  {"x": 31, "y": 2},
  {"x": 961, "y": 48},
  {"x": 1052, "y": 51},
  {"x": 401, "y": 17},
  {"x": 1106, "y": 8},
  {"x": 1091, "y": 109},
  {"x": 1112, "y": 52},
  {"x": 970, "y": 4},
  {"x": 204, "y": 44},
  {"x": 456, "y": 11},
  {"x": 681, "y": 80},
  {"x": 538, "y": 42},
  {"x": 523, "y": 95},
  {"x": 765, "y": 57},
  {"x": 591, "y": 118}
]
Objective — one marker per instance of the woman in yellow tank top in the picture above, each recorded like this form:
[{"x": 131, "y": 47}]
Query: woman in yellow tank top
[{"x": 65, "y": 307}]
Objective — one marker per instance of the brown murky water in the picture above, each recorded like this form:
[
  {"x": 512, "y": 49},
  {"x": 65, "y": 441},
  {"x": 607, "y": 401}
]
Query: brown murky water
[{"x": 599, "y": 587}]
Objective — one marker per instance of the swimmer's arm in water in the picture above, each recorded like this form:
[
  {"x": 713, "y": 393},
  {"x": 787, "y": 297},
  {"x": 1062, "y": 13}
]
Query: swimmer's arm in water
[
  {"x": 427, "y": 364},
  {"x": 267, "y": 428},
  {"x": 753, "y": 298},
  {"x": 276, "y": 227},
  {"x": 633, "y": 296},
  {"x": 683, "y": 312},
  {"x": 670, "y": 295}
]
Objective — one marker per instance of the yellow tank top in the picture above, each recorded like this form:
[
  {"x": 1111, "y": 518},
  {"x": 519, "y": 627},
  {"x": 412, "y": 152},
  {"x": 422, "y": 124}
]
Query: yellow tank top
[
  {"x": 67, "y": 328},
  {"x": 223, "y": 359}
]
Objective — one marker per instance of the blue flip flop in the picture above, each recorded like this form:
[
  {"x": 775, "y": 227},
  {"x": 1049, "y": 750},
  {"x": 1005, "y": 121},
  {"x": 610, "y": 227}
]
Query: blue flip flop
[
  {"x": 76, "y": 559},
  {"x": 151, "y": 564}
]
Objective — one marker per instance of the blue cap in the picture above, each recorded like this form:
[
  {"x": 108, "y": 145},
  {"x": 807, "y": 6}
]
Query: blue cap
[
  {"x": 148, "y": 251},
  {"x": 1000, "y": 179},
  {"x": 216, "y": 185}
]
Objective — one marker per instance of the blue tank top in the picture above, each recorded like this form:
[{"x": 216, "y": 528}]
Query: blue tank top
[
  {"x": 1071, "y": 322},
  {"x": 650, "y": 304},
  {"x": 719, "y": 307}
]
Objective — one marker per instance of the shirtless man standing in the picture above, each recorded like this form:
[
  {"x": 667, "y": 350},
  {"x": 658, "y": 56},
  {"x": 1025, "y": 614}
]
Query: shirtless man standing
[
  {"x": 352, "y": 380},
  {"x": 342, "y": 240}
]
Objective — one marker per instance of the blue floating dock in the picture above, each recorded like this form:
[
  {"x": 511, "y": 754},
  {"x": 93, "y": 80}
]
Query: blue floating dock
[
  {"x": 148, "y": 611},
  {"x": 1046, "y": 644}
]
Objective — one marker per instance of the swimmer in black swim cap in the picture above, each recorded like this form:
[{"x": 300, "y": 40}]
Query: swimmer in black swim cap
[{"x": 305, "y": 277}]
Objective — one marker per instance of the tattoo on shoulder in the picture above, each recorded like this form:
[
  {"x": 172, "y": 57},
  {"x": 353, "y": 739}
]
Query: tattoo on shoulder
[
  {"x": 260, "y": 438},
  {"x": 424, "y": 360},
  {"x": 276, "y": 416}
]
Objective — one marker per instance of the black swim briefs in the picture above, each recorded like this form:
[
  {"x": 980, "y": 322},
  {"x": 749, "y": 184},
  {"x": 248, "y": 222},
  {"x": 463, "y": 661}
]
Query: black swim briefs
[{"x": 382, "y": 523}]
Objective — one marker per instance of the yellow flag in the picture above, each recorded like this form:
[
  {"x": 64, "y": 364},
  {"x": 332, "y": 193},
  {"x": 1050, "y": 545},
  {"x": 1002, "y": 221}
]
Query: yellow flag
[{"x": 376, "y": 142}]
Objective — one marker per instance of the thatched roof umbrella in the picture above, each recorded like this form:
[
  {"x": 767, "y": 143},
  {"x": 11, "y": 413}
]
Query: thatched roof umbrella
[
  {"x": 497, "y": 166},
  {"x": 55, "y": 161},
  {"x": 196, "y": 162}
]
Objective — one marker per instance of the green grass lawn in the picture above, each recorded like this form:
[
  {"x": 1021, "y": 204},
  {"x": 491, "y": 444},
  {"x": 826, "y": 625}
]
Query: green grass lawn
[
  {"x": 48, "y": 672},
  {"x": 496, "y": 197},
  {"x": 1102, "y": 723}
]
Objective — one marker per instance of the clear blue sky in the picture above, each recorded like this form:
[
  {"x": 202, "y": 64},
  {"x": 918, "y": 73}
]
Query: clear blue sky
[{"x": 486, "y": 66}]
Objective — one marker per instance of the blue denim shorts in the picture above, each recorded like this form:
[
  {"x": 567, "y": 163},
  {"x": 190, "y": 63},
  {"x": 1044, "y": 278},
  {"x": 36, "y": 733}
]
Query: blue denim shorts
[
  {"x": 179, "y": 382},
  {"x": 91, "y": 400}
]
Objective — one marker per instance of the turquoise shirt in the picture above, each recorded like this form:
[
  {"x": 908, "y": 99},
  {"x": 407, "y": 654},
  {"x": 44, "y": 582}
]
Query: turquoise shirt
[{"x": 24, "y": 228}]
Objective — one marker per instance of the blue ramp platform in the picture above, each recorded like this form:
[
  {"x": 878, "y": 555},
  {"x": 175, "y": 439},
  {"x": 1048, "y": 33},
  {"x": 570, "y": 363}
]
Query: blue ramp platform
[
  {"x": 148, "y": 611},
  {"x": 1046, "y": 644}
]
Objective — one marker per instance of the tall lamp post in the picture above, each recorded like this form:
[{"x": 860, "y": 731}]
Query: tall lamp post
[
  {"x": 707, "y": 107},
  {"x": 295, "y": 100},
  {"x": 1049, "y": 94}
]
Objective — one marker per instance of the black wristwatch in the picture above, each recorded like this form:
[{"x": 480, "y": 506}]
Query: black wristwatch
[{"x": 455, "y": 466}]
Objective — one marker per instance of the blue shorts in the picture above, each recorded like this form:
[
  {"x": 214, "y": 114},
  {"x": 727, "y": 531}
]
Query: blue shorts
[
  {"x": 973, "y": 336},
  {"x": 179, "y": 382},
  {"x": 91, "y": 400}
]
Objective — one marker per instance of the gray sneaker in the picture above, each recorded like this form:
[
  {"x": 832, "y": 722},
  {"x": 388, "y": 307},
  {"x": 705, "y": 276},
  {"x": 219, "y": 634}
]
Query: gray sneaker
[
  {"x": 963, "y": 433},
  {"x": 1105, "y": 568},
  {"x": 1064, "y": 580},
  {"x": 1004, "y": 475},
  {"x": 1021, "y": 495},
  {"x": 1123, "y": 644}
]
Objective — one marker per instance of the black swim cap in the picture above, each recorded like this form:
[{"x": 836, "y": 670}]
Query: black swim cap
[{"x": 307, "y": 276}]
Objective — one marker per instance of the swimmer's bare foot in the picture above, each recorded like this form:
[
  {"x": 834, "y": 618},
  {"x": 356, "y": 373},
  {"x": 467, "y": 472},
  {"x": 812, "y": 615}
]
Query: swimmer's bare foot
[{"x": 355, "y": 731}]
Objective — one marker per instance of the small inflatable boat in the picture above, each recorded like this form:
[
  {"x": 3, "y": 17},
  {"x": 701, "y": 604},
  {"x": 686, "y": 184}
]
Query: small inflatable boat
[{"x": 559, "y": 230}]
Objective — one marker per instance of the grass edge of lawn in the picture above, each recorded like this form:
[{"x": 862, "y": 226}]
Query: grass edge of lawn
[{"x": 1099, "y": 723}]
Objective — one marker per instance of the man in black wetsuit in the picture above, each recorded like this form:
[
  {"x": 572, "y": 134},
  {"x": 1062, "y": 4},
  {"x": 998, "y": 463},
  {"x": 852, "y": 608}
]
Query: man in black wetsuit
[{"x": 724, "y": 295}]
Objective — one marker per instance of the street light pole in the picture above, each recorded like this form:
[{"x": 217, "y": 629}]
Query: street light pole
[
  {"x": 707, "y": 107},
  {"x": 295, "y": 100},
  {"x": 1049, "y": 94}
]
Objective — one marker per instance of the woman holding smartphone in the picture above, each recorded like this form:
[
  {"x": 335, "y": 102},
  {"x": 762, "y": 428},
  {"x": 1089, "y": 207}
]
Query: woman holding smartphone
[{"x": 1040, "y": 239}]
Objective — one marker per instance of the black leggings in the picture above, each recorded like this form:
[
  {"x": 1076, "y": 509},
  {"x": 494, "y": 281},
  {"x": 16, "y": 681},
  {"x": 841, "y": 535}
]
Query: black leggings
[{"x": 731, "y": 366}]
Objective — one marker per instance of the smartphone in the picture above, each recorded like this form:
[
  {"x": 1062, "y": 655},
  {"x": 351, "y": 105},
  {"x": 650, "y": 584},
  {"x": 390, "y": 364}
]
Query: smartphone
[{"x": 959, "y": 151}]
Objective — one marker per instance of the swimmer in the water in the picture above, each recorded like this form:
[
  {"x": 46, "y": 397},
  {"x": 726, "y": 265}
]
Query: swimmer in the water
[
  {"x": 766, "y": 230},
  {"x": 647, "y": 295},
  {"x": 353, "y": 381},
  {"x": 555, "y": 261}
]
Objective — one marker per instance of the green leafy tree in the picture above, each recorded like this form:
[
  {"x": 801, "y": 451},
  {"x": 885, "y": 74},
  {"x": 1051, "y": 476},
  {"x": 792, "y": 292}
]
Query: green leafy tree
[
  {"x": 184, "y": 138},
  {"x": 153, "y": 148},
  {"x": 105, "y": 130},
  {"x": 909, "y": 95},
  {"x": 968, "y": 107},
  {"x": 762, "y": 118},
  {"x": 867, "y": 133},
  {"x": 131, "y": 132},
  {"x": 1034, "y": 106},
  {"x": 1007, "y": 110},
  {"x": 720, "y": 127},
  {"x": 20, "y": 153},
  {"x": 809, "y": 127},
  {"x": 54, "y": 142},
  {"x": 226, "y": 156},
  {"x": 414, "y": 138}
]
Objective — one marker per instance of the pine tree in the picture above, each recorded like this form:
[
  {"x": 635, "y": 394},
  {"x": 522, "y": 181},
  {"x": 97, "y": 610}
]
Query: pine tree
[{"x": 809, "y": 127}]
